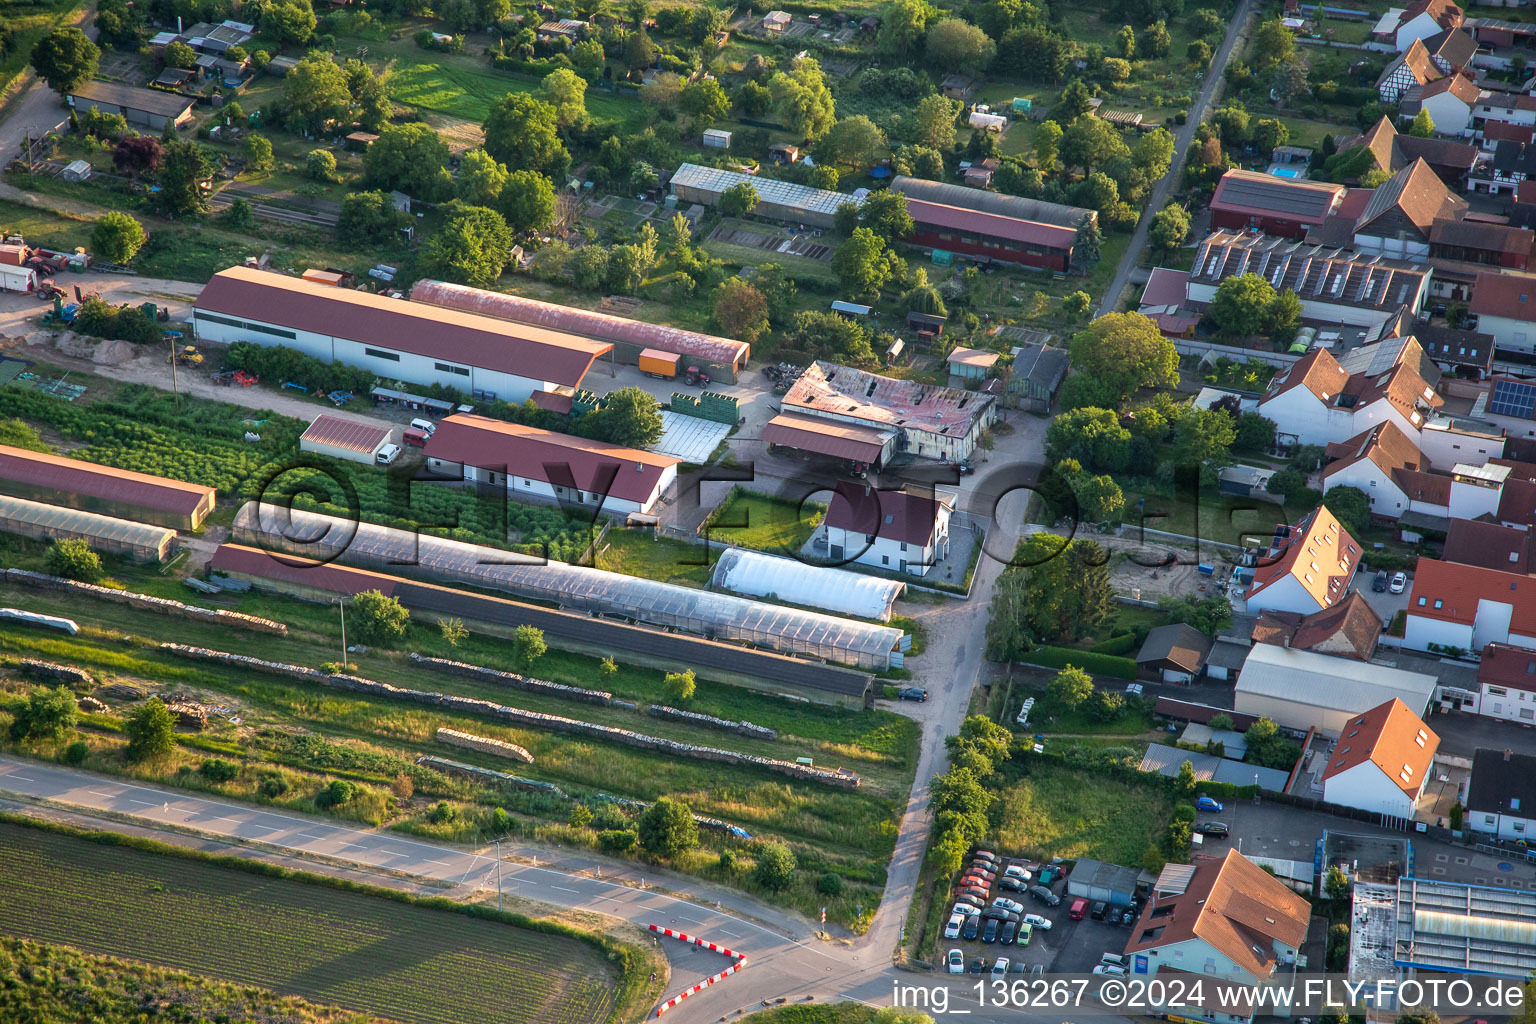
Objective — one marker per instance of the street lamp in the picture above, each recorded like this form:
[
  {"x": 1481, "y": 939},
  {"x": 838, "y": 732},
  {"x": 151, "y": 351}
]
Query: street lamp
[{"x": 498, "y": 843}]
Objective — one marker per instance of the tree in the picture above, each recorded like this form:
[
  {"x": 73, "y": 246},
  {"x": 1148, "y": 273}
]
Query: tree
[
  {"x": 829, "y": 336},
  {"x": 1336, "y": 884},
  {"x": 116, "y": 237},
  {"x": 1210, "y": 616},
  {"x": 1152, "y": 859},
  {"x": 753, "y": 99},
  {"x": 528, "y": 645},
  {"x": 1242, "y": 305},
  {"x": 368, "y": 218},
  {"x": 679, "y": 686},
  {"x": 481, "y": 178},
  {"x": 378, "y": 618},
  {"x": 667, "y": 828},
  {"x": 320, "y": 165},
  {"x": 527, "y": 201},
  {"x": 453, "y": 629},
  {"x": 49, "y": 715},
  {"x": 1273, "y": 44},
  {"x": 1269, "y": 134},
  {"x": 902, "y": 25},
  {"x": 802, "y": 99},
  {"x": 1097, "y": 191},
  {"x": 933, "y": 121},
  {"x": 1186, "y": 781},
  {"x": 1350, "y": 507},
  {"x": 1125, "y": 42},
  {"x": 411, "y": 158},
  {"x": 1091, "y": 143},
  {"x": 1124, "y": 352},
  {"x": 315, "y": 93},
  {"x": 1091, "y": 436},
  {"x": 370, "y": 95},
  {"x": 151, "y": 732},
  {"x": 472, "y": 248},
  {"x": 639, "y": 51},
  {"x": 1076, "y": 305},
  {"x": 138, "y": 154},
  {"x": 522, "y": 132},
  {"x": 566, "y": 91},
  {"x": 1073, "y": 103},
  {"x": 74, "y": 559},
  {"x": 1155, "y": 42},
  {"x": 1231, "y": 123},
  {"x": 739, "y": 199},
  {"x": 630, "y": 417},
  {"x": 741, "y": 310},
  {"x": 705, "y": 102},
  {"x": 258, "y": 154},
  {"x": 1423, "y": 126},
  {"x": 293, "y": 21},
  {"x": 1099, "y": 498},
  {"x": 955, "y": 45},
  {"x": 1169, "y": 227},
  {"x": 922, "y": 297},
  {"x": 1198, "y": 52},
  {"x": 1286, "y": 483},
  {"x": 179, "y": 55},
  {"x": 851, "y": 142},
  {"x": 1284, "y": 316},
  {"x": 1290, "y": 81},
  {"x": 1047, "y": 144},
  {"x": 183, "y": 169},
  {"x": 1203, "y": 437},
  {"x": 885, "y": 214},
  {"x": 64, "y": 58},
  {"x": 1153, "y": 152},
  {"x": 1070, "y": 688},
  {"x": 823, "y": 176},
  {"x": 861, "y": 263},
  {"x": 775, "y": 867}
]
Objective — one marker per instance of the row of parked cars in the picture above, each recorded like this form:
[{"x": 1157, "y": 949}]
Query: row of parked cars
[{"x": 977, "y": 913}]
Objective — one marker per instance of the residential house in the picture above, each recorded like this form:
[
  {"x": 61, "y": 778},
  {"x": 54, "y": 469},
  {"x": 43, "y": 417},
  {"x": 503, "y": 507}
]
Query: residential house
[
  {"x": 1284, "y": 207},
  {"x": 1449, "y": 101},
  {"x": 1511, "y": 405},
  {"x": 1174, "y": 653},
  {"x": 1467, "y": 607},
  {"x": 1506, "y": 684},
  {"x": 1308, "y": 567},
  {"x": 1401, "y": 213},
  {"x": 1451, "y": 50},
  {"x": 1490, "y": 545},
  {"x": 1318, "y": 400},
  {"x": 1391, "y": 152},
  {"x": 1460, "y": 249},
  {"x": 1349, "y": 629},
  {"x": 1411, "y": 68},
  {"x": 904, "y": 530},
  {"x": 1420, "y": 20},
  {"x": 1381, "y": 761},
  {"x": 1163, "y": 302},
  {"x": 1465, "y": 354},
  {"x": 1501, "y": 794},
  {"x": 1386, "y": 465},
  {"x": 1504, "y": 307},
  {"x": 1227, "y": 917},
  {"x": 1036, "y": 373}
]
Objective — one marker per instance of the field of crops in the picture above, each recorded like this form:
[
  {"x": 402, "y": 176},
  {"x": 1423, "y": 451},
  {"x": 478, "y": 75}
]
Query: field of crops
[{"x": 356, "y": 951}]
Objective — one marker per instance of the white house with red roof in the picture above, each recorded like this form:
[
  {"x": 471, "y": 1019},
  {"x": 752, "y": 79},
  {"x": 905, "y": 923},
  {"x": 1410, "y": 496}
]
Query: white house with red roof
[
  {"x": 1385, "y": 464},
  {"x": 904, "y": 530},
  {"x": 1319, "y": 400},
  {"x": 1224, "y": 917},
  {"x": 1468, "y": 607},
  {"x": 1419, "y": 20},
  {"x": 1308, "y": 566},
  {"x": 1505, "y": 305},
  {"x": 1381, "y": 761},
  {"x": 1506, "y": 684},
  {"x": 544, "y": 465}
]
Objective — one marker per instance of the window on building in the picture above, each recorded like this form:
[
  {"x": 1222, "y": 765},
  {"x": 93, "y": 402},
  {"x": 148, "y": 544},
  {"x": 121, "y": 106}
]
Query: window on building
[
  {"x": 1498, "y": 691},
  {"x": 379, "y": 353},
  {"x": 885, "y": 559},
  {"x": 1518, "y": 826},
  {"x": 462, "y": 371}
]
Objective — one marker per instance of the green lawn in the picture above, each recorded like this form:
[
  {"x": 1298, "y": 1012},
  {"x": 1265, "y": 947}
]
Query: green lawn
[
  {"x": 463, "y": 87},
  {"x": 1056, "y": 812},
  {"x": 749, "y": 519},
  {"x": 637, "y": 553},
  {"x": 1207, "y": 515}
]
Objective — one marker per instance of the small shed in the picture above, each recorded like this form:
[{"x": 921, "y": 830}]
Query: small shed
[
  {"x": 957, "y": 87},
  {"x": 777, "y": 21},
  {"x": 400, "y": 201},
  {"x": 1095, "y": 880},
  {"x": 783, "y": 153},
  {"x": 76, "y": 170},
  {"x": 1227, "y": 656},
  {"x": 971, "y": 363},
  {"x": 282, "y": 65},
  {"x": 927, "y": 325},
  {"x": 1175, "y": 653},
  {"x": 1036, "y": 374},
  {"x": 849, "y": 310},
  {"x": 342, "y": 438},
  {"x": 717, "y": 138},
  {"x": 359, "y": 141},
  {"x": 1022, "y": 104}
]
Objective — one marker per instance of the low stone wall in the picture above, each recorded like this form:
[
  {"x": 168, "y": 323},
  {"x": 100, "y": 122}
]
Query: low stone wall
[
  {"x": 517, "y": 716},
  {"x": 473, "y": 771},
  {"x": 711, "y": 722},
  {"x": 484, "y": 744},
  {"x": 63, "y": 673},
  {"x": 512, "y": 679},
  {"x": 164, "y": 606}
]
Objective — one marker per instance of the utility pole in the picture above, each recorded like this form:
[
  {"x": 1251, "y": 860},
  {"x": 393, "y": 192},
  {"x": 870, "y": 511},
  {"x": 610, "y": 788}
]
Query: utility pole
[
  {"x": 343, "y": 606},
  {"x": 174, "y": 390},
  {"x": 498, "y": 843}
]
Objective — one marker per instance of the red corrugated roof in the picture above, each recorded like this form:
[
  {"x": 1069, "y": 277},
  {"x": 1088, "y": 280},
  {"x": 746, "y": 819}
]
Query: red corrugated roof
[
  {"x": 339, "y": 432},
  {"x": 595, "y": 466},
  {"x": 105, "y": 483},
  {"x": 826, "y": 437},
  {"x": 990, "y": 225},
  {"x": 338, "y": 579},
  {"x": 419, "y": 329},
  {"x": 902, "y": 515}
]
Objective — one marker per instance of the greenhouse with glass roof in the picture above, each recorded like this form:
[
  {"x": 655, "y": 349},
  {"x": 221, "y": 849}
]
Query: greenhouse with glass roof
[
  {"x": 794, "y": 582},
  {"x": 103, "y": 533},
  {"x": 714, "y": 616}
]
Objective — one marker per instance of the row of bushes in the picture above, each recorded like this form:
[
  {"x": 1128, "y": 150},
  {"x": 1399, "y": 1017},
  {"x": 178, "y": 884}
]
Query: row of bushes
[
  {"x": 1095, "y": 662},
  {"x": 280, "y": 364},
  {"x": 1125, "y": 643}
]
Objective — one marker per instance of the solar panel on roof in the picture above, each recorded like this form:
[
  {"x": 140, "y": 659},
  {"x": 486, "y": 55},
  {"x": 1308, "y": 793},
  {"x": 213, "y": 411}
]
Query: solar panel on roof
[{"x": 1513, "y": 398}]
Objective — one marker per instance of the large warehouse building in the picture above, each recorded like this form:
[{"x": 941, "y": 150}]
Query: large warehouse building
[
  {"x": 398, "y": 340},
  {"x": 106, "y": 490},
  {"x": 991, "y": 226},
  {"x": 34, "y": 519},
  {"x": 777, "y": 200},
  {"x": 720, "y": 358},
  {"x": 572, "y": 587},
  {"x": 550, "y": 466},
  {"x": 1301, "y": 690},
  {"x": 1286, "y": 208}
]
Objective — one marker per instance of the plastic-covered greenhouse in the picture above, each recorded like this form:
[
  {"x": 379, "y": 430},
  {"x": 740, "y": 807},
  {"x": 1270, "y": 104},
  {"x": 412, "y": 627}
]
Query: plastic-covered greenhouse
[
  {"x": 836, "y": 590},
  {"x": 104, "y": 533},
  {"x": 716, "y": 616}
]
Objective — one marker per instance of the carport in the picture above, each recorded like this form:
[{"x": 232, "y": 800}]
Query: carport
[
  {"x": 824, "y": 437},
  {"x": 1096, "y": 880}
]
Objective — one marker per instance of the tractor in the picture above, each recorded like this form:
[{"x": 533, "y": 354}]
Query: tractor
[{"x": 188, "y": 356}]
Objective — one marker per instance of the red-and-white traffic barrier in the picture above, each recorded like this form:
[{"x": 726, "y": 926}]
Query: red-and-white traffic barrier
[{"x": 740, "y": 958}]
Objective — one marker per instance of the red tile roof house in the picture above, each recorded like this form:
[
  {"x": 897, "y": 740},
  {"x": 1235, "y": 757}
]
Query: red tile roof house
[
  {"x": 105, "y": 490},
  {"x": 1420, "y": 20},
  {"x": 543, "y": 465},
  {"x": 1381, "y": 761},
  {"x": 1250, "y": 200},
  {"x": 1506, "y": 685},
  {"x": 1467, "y": 607},
  {"x": 1505, "y": 305},
  {"x": 1308, "y": 567},
  {"x": 1386, "y": 464},
  {"x": 1317, "y": 401},
  {"x": 901, "y": 530},
  {"x": 1228, "y": 919}
]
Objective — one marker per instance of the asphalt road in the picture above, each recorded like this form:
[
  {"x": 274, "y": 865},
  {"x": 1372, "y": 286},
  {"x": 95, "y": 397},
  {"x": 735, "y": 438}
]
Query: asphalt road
[{"x": 1182, "y": 137}]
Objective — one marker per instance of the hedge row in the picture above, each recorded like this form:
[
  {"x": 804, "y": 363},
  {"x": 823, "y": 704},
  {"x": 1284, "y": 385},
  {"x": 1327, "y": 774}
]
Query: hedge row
[
  {"x": 1090, "y": 661},
  {"x": 1122, "y": 644}
]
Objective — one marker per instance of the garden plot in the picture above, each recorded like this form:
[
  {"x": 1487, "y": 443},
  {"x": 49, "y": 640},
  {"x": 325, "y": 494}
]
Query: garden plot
[
  {"x": 689, "y": 438},
  {"x": 809, "y": 247}
]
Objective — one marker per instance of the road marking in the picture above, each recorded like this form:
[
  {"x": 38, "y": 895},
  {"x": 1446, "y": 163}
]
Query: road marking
[
  {"x": 304, "y": 835},
  {"x": 562, "y": 888},
  {"x": 144, "y": 803},
  {"x": 105, "y": 796},
  {"x": 18, "y": 778}
]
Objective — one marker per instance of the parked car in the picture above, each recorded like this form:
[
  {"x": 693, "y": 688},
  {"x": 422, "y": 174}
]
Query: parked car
[
  {"x": 976, "y": 882},
  {"x": 1399, "y": 582},
  {"x": 389, "y": 453},
  {"x": 974, "y": 890},
  {"x": 995, "y": 914},
  {"x": 1112, "y": 971},
  {"x": 974, "y": 902},
  {"x": 1379, "y": 584},
  {"x": 1100, "y": 908},
  {"x": 978, "y": 965},
  {"x": 1113, "y": 960},
  {"x": 1009, "y": 933},
  {"x": 1025, "y": 934},
  {"x": 984, "y": 855},
  {"x": 965, "y": 909},
  {"x": 1018, "y": 967},
  {"x": 1015, "y": 871},
  {"x": 956, "y": 962},
  {"x": 1001, "y": 967},
  {"x": 1036, "y": 921},
  {"x": 1205, "y": 803},
  {"x": 916, "y": 693},
  {"x": 1008, "y": 904},
  {"x": 972, "y": 927},
  {"x": 984, "y": 869},
  {"x": 425, "y": 426},
  {"x": 989, "y": 933},
  {"x": 1045, "y": 896},
  {"x": 1011, "y": 884},
  {"x": 1079, "y": 908},
  {"x": 952, "y": 929},
  {"x": 415, "y": 438},
  {"x": 1212, "y": 828}
]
